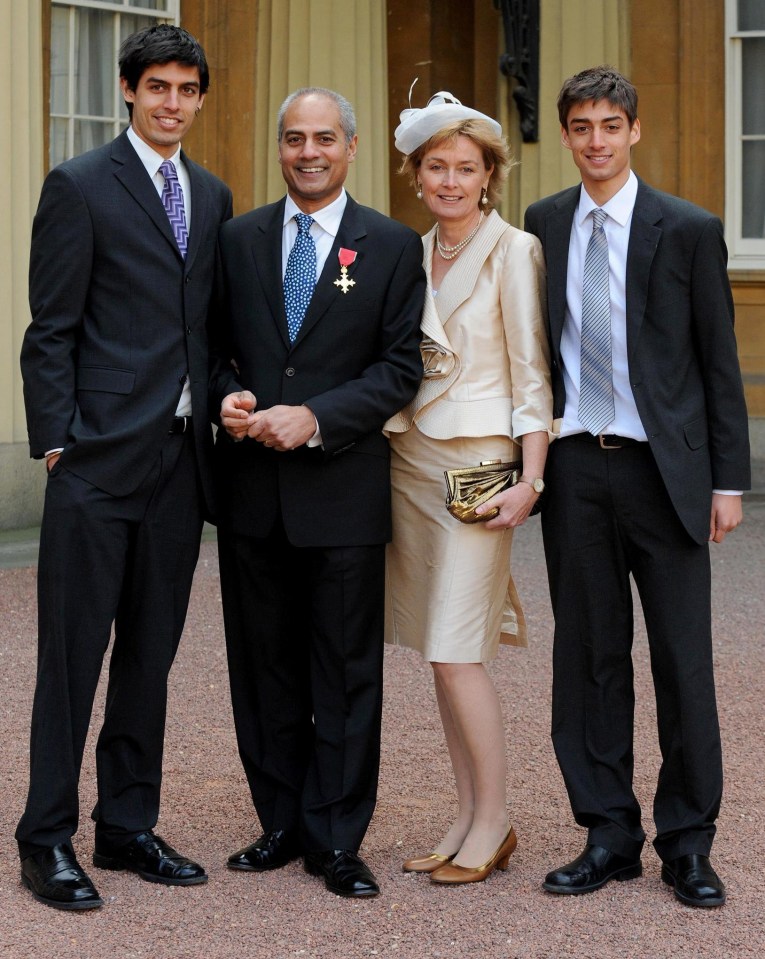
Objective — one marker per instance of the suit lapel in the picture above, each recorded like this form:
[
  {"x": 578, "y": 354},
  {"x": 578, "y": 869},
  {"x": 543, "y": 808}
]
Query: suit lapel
[
  {"x": 459, "y": 283},
  {"x": 200, "y": 210},
  {"x": 441, "y": 362},
  {"x": 132, "y": 175},
  {"x": 431, "y": 324},
  {"x": 556, "y": 241},
  {"x": 267, "y": 261},
  {"x": 644, "y": 241},
  {"x": 351, "y": 236}
]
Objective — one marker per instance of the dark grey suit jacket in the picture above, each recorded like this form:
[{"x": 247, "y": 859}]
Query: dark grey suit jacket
[
  {"x": 118, "y": 317},
  {"x": 682, "y": 357},
  {"x": 356, "y": 361}
]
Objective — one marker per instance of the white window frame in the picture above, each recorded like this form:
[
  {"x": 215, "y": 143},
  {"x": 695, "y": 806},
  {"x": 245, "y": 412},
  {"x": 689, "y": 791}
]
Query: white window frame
[
  {"x": 746, "y": 253},
  {"x": 118, "y": 119}
]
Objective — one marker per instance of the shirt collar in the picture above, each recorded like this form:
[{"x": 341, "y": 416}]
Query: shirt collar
[
  {"x": 150, "y": 158},
  {"x": 619, "y": 207},
  {"x": 328, "y": 217}
]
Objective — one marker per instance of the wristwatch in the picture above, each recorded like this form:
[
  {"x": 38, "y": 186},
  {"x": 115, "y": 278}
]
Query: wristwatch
[{"x": 537, "y": 484}]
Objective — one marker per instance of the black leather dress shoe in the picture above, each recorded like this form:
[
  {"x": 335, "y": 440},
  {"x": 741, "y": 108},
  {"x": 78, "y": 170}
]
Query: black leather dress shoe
[
  {"x": 593, "y": 869},
  {"x": 345, "y": 873},
  {"x": 153, "y": 860},
  {"x": 273, "y": 850},
  {"x": 55, "y": 878},
  {"x": 694, "y": 880}
]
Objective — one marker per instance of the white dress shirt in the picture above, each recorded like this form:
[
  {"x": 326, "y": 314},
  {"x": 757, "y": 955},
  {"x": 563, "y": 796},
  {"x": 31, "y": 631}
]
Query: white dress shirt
[
  {"x": 326, "y": 223},
  {"x": 152, "y": 161},
  {"x": 626, "y": 421}
]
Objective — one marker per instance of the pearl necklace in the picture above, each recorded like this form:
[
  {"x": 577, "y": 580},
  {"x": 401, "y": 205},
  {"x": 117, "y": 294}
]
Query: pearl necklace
[{"x": 450, "y": 252}]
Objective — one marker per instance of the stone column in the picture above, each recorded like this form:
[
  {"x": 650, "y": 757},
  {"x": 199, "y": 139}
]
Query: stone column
[{"x": 21, "y": 172}]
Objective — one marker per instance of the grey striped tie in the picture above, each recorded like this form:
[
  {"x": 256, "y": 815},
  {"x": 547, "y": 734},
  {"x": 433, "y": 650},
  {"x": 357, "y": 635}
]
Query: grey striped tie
[{"x": 596, "y": 388}]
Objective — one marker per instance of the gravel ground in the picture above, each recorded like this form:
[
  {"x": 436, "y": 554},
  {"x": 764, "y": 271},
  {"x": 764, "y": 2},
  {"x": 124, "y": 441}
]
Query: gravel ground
[{"x": 207, "y": 813}]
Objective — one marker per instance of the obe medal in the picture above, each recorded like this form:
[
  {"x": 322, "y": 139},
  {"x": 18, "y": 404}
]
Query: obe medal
[{"x": 346, "y": 258}]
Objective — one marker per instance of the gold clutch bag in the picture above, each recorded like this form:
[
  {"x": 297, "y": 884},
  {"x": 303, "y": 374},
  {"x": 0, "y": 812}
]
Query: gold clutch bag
[{"x": 472, "y": 486}]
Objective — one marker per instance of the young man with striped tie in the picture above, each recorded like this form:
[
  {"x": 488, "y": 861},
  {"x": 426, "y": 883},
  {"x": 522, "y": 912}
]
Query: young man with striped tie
[
  {"x": 115, "y": 384},
  {"x": 652, "y": 457}
]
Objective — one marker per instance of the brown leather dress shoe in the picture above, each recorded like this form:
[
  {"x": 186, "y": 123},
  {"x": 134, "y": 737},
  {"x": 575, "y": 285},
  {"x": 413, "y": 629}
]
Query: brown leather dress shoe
[
  {"x": 152, "y": 858},
  {"x": 55, "y": 878},
  {"x": 274, "y": 849},
  {"x": 694, "y": 880},
  {"x": 345, "y": 873}
]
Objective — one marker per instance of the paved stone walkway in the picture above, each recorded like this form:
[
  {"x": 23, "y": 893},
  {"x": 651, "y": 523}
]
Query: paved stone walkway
[{"x": 207, "y": 813}]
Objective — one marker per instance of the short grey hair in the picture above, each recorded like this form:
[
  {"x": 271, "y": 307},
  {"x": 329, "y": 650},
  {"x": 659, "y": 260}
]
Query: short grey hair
[{"x": 347, "y": 116}]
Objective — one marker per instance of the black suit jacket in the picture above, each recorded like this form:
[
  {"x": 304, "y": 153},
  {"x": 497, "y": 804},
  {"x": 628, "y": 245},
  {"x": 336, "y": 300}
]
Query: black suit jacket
[
  {"x": 355, "y": 362},
  {"x": 682, "y": 356},
  {"x": 118, "y": 317}
]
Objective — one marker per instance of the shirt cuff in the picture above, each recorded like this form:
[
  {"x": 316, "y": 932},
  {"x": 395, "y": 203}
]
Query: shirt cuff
[{"x": 316, "y": 439}]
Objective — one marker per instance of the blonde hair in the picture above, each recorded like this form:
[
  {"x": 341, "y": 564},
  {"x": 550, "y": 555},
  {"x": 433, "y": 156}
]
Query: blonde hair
[{"x": 494, "y": 147}]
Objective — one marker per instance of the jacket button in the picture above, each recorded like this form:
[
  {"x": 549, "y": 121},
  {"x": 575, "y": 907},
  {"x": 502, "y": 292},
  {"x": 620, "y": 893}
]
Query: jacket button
[
  {"x": 188, "y": 330},
  {"x": 182, "y": 379},
  {"x": 290, "y": 371}
]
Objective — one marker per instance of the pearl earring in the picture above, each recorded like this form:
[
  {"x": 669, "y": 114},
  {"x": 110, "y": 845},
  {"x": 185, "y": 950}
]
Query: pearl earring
[
  {"x": 418, "y": 194},
  {"x": 484, "y": 198}
]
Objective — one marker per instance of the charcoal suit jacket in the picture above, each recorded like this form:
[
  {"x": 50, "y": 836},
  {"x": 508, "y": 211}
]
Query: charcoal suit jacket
[
  {"x": 681, "y": 347},
  {"x": 355, "y": 362},
  {"x": 120, "y": 319}
]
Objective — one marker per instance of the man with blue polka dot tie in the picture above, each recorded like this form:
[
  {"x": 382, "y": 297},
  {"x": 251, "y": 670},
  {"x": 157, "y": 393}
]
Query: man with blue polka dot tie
[{"x": 323, "y": 301}]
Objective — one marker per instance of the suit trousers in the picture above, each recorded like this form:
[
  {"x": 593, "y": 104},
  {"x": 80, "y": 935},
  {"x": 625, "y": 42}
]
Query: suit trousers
[
  {"x": 304, "y": 634},
  {"x": 127, "y": 561},
  {"x": 607, "y": 518}
]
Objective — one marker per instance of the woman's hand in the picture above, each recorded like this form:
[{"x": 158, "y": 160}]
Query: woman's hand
[
  {"x": 516, "y": 503},
  {"x": 514, "y": 506}
]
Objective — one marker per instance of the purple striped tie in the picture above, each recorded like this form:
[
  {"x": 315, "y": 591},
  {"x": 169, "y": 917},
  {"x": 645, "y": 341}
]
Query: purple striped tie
[{"x": 172, "y": 198}]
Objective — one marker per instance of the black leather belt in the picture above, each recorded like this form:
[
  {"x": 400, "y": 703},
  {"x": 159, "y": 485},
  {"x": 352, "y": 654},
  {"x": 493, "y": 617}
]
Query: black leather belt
[
  {"x": 180, "y": 425},
  {"x": 608, "y": 441}
]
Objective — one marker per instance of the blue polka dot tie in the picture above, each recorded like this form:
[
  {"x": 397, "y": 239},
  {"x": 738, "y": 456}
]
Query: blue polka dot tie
[
  {"x": 596, "y": 388},
  {"x": 300, "y": 276},
  {"x": 172, "y": 199}
]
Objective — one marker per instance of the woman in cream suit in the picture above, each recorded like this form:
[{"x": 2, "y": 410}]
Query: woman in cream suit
[{"x": 485, "y": 395}]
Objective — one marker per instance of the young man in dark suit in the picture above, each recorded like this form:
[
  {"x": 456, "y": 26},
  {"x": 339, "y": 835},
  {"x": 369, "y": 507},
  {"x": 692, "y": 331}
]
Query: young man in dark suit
[
  {"x": 115, "y": 369},
  {"x": 323, "y": 300},
  {"x": 652, "y": 457}
]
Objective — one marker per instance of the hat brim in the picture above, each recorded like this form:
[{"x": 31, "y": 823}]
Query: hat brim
[{"x": 417, "y": 126}]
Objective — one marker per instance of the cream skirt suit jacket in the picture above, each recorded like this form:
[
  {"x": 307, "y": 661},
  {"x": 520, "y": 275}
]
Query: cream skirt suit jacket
[{"x": 450, "y": 592}]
